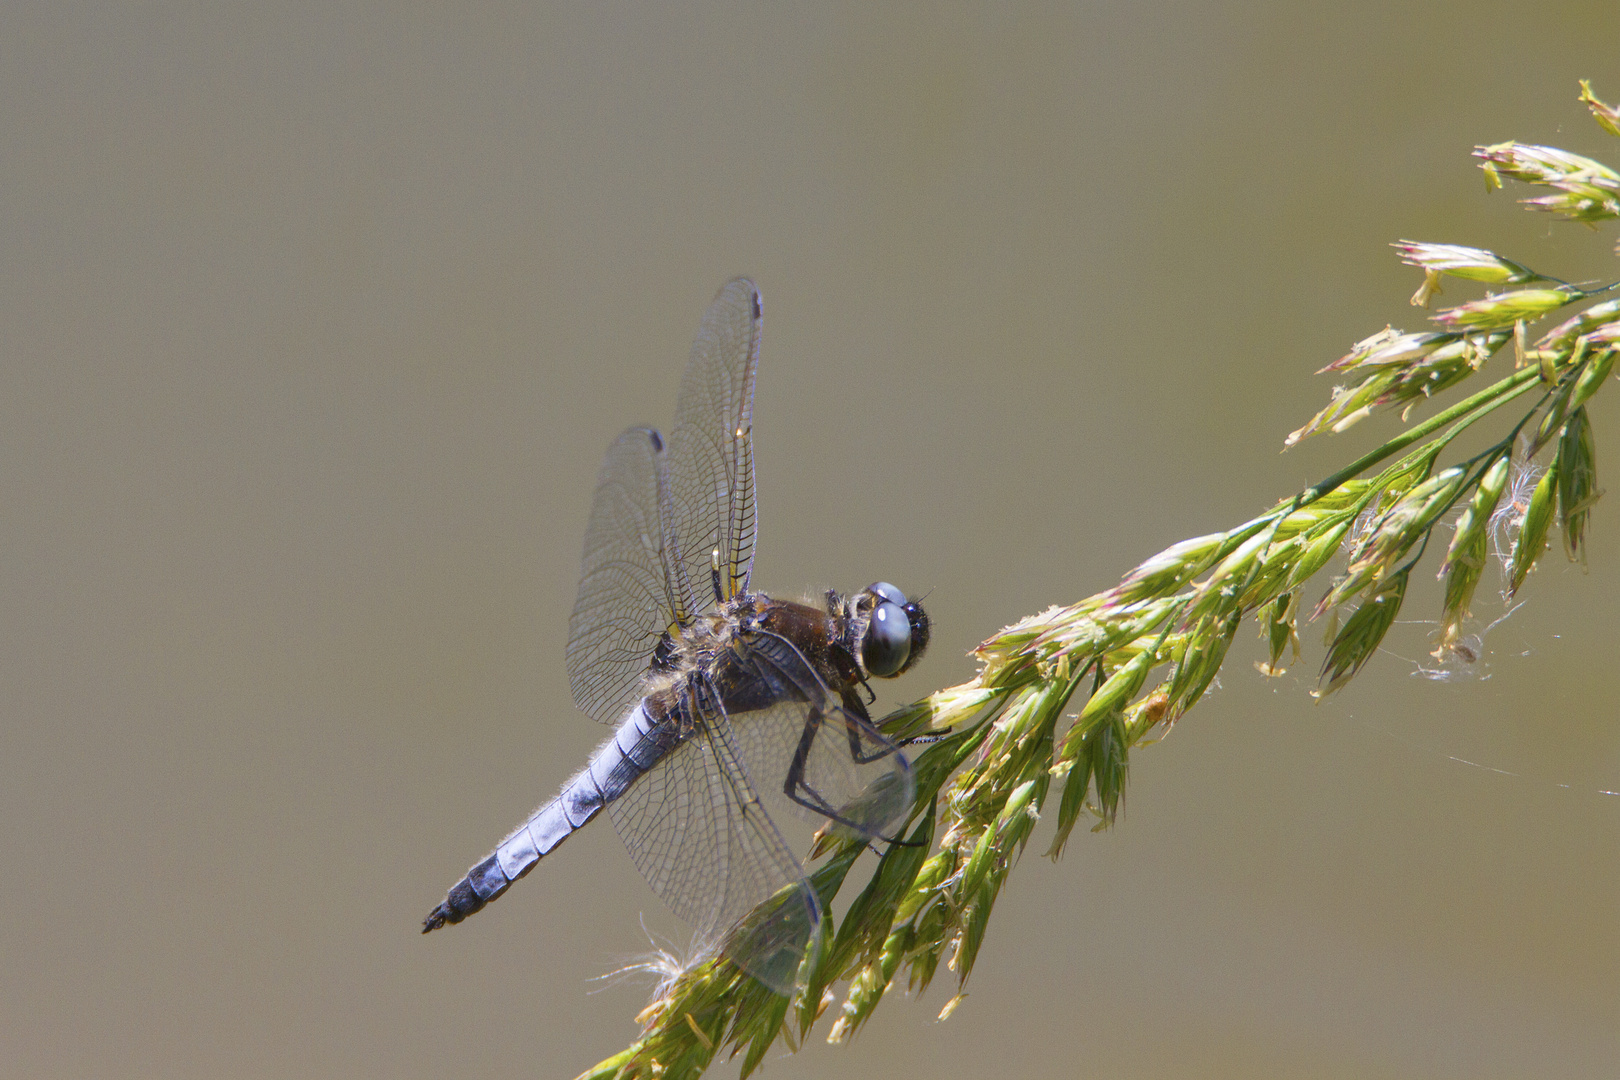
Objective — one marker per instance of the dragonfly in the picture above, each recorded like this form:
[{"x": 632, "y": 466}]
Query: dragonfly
[{"x": 729, "y": 708}]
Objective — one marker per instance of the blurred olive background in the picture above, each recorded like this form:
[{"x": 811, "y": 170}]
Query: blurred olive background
[{"x": 317, "y": 319}]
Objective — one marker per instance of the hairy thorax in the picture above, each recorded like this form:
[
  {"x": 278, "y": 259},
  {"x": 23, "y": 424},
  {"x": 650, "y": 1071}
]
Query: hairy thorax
[{"x": 713, "y": 648}]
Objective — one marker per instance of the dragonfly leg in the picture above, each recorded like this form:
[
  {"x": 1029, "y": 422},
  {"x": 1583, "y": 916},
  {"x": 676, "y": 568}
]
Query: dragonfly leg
[
  {"x": 811, "y": 799},
  {"x": 858, "y": 724}
]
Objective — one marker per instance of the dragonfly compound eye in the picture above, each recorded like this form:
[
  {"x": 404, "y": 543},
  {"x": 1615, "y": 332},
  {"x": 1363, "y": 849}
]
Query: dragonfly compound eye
[
  {"x": 888, "y": 640},
  {"x": 884, "y": 591}
]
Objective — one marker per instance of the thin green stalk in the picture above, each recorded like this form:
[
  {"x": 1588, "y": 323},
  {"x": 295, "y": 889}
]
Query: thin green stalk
[
  {"x": 1155, "y": 642},
  {"x": 1493, "y": 396}
]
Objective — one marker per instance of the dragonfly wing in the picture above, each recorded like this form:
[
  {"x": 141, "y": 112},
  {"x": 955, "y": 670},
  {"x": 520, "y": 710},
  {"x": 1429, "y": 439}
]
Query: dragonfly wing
[
  {"x": 627, "y": 599},
  {"x": 823, "y": 761},
  {"x": 698, "y": 831},
  {"x": 658, "y": 518},
  {"x": 711, "y": 458},
  {"x": 699, "y": 824}
]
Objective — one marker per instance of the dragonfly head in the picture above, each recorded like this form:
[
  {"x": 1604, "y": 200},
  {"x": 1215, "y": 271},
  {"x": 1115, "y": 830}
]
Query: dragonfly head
[{"x": 896, "y": 631}]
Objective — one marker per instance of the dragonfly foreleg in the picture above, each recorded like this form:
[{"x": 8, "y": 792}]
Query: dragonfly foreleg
[
  {"x": 798, "y": 789},
  {"x": 858, "y": 729}
]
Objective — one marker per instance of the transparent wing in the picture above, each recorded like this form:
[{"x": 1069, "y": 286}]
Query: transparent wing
[
  {"x": 698, "y": 832},
  {"x": 699, "y": 824},
  {"x": 818, "y": 759},
  {"x": 711, "y": 459},
  {"x": 657, "y": 517},
  {"x": 626, "y": 599}
]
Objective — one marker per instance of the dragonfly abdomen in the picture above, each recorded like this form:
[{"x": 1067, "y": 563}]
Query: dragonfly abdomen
[{"x": 636, "y": 745}]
